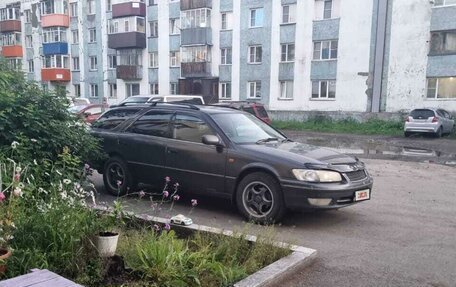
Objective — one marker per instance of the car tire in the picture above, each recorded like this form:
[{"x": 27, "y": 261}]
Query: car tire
[
  {"x": 259, "y": 198},
  {"x": 407, "y": 134},
  {"x": 438, "y": 133},
  {"x": 115, "y": 171}
]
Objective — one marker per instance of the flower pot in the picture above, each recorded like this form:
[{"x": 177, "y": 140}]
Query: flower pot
[
  {"x": 106, "y": 243},
  {"x": 4, "y": 255}
]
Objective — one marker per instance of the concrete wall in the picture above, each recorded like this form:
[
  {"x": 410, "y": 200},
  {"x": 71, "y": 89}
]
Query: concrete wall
[{"x": 334, "y": 115}]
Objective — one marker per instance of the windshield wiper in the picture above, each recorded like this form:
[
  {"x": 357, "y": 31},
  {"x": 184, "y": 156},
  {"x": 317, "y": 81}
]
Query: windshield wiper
[
  {"x": 286, "y": 140},
  {"x": 267, "y": 140}
]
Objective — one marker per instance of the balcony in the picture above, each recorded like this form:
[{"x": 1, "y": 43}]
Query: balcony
[
  {"x": 129, "y": 72},
  {"x": 196, "y": 36},
  {"x": 12, "y": 51},
  {"x": 10, "y": 26},
  {"x": 195, "y": 4},
  {"x": 128, "y": 9},
  {"x": 56, "y": 75},
  {"x": 58, "y": 48},
  {"x": 55, "y": 20},
  {"x": 196, "y": 69},
  {"x": 129, "y": 40}
]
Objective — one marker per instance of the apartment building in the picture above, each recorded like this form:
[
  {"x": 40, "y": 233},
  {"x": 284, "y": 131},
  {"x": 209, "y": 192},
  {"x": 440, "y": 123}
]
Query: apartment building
[{"x": 291, "y": 55}]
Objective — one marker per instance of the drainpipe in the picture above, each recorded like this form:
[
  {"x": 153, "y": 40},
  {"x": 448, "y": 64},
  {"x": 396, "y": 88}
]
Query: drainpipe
[{"x": 380, "y": 34}]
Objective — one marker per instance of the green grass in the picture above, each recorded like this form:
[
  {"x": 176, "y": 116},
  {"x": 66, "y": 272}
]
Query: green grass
[{"x": 348, "y": 126}]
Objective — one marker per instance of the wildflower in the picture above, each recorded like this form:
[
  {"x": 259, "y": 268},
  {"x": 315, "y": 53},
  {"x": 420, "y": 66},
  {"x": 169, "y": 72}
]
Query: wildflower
[
  {"x": 18, "y": 169},
  {"x": 167, "y": 179},
  {"x": 17, "y": 192},
  {"x": 2, "y": 197},
  {"x": 17, "y": 177},
  {"x": 194, "y": 202},
  {"x": 14, "y": 144},
  {"x": 176, "y": 197},
  {"x": 156, "y": 227},
  {"x": 33, "y": 140},
  {"x": 142, "y": 194},
  {"x": 66, "y": 181},
  {"x": 167, "y": 227},
  {"x": 165, "y": 194}
]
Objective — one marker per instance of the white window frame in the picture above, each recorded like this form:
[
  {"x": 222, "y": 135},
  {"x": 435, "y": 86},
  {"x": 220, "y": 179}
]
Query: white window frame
[
  {"x": 75, "y": 36},
  {"x": 49, "y": 35},
  {"x": 154, "y": 88},
  {"x": 437, "y": 85},
  {"x": 174, "y": 59},
  {"x": 331, "y": 48},
  {"x": 331, "y": 10},
  {"x": 153, "y": 60},
  {"x": 287, "y": 53},
  {"x": 93, "y": 61},
  {"x": 29, "y": 41},
  {"x": 92, "y": 35},
  {"x": 153, "y": 29},
  {"x": 195, "y": 18},
  {"x": 91, "y": 8},
  {"x": 53, "y": 61},
  {"x": 113, "y": 91},
  {"x": 112, "y": 62},
  {"x": 254, "y": 17},
  {"x": 328, "y": 84},
  {"x": 31, "y": 66},
  {"x": 226, "y": 56},
  {"x": 28, "y": 16},
  {"x": 226, "y": 21},
  {"x": 225, "y": 91},
  {"x": 174, "y": 28},
  {"x": 94, "y": 90},
  {"x": 173, "y": 88},
  {"x": 444, "y": 3},
  {"x": 291, "y": 16},
  {"x": 254, "y": 49},
  {"x": 75, "y": 61},
  {"x": 74, "y": 9},
  {"x": 77, "y": 90},
  {"x": 285, "y": 93},
  {"x": 255, "y": 87}
]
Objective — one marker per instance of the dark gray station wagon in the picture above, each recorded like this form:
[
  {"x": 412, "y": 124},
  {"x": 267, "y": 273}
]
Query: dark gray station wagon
[{"x": 226, "y": 153}]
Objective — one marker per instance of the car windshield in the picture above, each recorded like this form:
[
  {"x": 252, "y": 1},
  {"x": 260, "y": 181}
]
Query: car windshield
[
  {"x": 76, "y": 109},
  {"x": 422, "y": 114},
  {"x": 244, "y": 128}
]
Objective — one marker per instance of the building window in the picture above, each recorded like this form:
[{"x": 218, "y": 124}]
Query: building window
[
  {"x": 92, "y": 35},
  {"x": 441, "y": 88},
  {"x": 93, "y": 63},
  {"x": 93, "y": 90},
  {"x": 226, "y": 56},
  {"x": 10, "y": 13},
  {"x": 254, "y": 90},
  {"x": 76, "y": 63},
  {"x": 196, "y": 54},
  {"x": 443, "y": 42},
  {"x": 74, "y": 9},
  {"x": 325, "y": 50},
  {"x": 154, "y": 89},
  {"x": 153, "y": 25},
  {"x": 31, "y": 66},
  {"x": 174, "y": 58},
  {"x": 153, "y": 60},
  {"x": 75, "y": 36},
  {"x": 227, "y": 21},
  {"x": 55, "y": 34},
  {"x": 113, "y": 91},
  {"x": 77, "y": 90},
  {"x": 288, "y": 53},
  {"x": 286, "y": 90},
  {"x": 327, "y": 9},
  {"x": 53, "y": 7},
  {"x": 324, "y": 89},
  {"x": 127, "y": 25},
  {"x": 10, "y": 39},
  {"x": 112, "y": 60},
  {"x": 289, "y": 13},
  {"x": 173, "y": 88},
  {"x": 28, "y": 16},
  {"x": 255, "y": 54},
  {"x": 444, "y": 2},
  {"x": 28, "y": 41},
  {"x": 225, "y": 91},
  {"x": 153, "y": 2},
  {"x": 109, "y": 5},
  {"x": 256, "y": 18},
  {"x": 132, "y": 89},
  {"x": 91, "y": 7},
  {"x": 196, "y": 18},
  {"x": 56, "y": 61},
  {"x": 174, "y": 26},
  {"x": 129, "y": 57}
]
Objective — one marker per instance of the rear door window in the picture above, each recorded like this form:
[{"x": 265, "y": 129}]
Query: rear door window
[
  {"x": 261, "y": 112},
  {"x": 249, "y": 110},
  {"x": 190, "y": 128},
  {"x": 153, "y": 123},
  {"x": 112, "y": 119},
  {"x": 422, "y": 114}
]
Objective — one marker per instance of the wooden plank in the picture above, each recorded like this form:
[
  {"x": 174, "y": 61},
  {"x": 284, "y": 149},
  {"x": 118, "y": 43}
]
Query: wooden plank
[
  {"x": 28, "y": 279},
  {"x": 57, "y": 282}
]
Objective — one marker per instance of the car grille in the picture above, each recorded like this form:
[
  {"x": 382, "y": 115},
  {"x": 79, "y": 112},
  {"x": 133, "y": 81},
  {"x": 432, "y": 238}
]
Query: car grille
[{"x": 356, "y": 175}]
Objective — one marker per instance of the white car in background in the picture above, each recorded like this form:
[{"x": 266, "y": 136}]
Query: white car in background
[{"x": 430, "y": 121}]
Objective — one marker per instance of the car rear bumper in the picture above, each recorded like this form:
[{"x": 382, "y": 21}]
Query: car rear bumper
[
  {"x": 297, "y": 194},
  {"x": 421, "y": 128}
]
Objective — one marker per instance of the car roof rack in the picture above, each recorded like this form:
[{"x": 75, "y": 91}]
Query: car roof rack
[{"x": 180, "y": 104}]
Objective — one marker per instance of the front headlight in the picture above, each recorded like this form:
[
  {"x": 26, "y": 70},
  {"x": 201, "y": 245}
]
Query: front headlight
[{"x": 317, "y": 175}]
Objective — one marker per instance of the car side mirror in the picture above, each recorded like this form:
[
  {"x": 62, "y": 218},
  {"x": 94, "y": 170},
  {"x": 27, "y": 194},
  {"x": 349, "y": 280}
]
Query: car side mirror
[{"x": 211, "y": 140}]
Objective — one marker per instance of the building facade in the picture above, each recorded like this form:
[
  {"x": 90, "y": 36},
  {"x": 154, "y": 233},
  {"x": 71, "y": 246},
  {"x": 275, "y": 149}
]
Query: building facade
[{"x": 291, "y": 55}]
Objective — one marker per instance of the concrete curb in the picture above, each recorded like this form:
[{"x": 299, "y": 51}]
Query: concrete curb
[{"x": 270, "y": 275}]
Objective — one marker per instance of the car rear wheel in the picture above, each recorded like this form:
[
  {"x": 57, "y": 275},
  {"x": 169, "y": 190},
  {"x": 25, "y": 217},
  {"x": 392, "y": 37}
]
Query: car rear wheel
[
  {"x": 117, "y": 178},
  {"x": 259, "y": 198},
  {"x": 438, "y": 133},
  {"x": 407, "y": 134}
]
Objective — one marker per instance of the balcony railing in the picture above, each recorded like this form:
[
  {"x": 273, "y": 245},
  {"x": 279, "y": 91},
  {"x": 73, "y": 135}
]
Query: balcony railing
[
  {"x": 56, "y": 75},
  {"x": 128, "y": 9},
  {"x": 10, "y": 26},
  {"x": 129, "y": 72},
  {"x": 195, "y": 4},
  {"x": 134, "y": 40},
  {"x": 196, "y": 36},
  {"x": 196, "y": 69}
]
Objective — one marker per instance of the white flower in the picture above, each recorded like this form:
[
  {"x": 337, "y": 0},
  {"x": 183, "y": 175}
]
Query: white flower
[
  {"x": 17, "y": 192},
  {"x": 66, "y": 181},
  {"x": 33, "y": 140},
  {"x": 41, "y": 190},
  {"x": 34, "y": 162},
  {"x": 14, "y": 144},
  {"x": 18, "y": 169}
]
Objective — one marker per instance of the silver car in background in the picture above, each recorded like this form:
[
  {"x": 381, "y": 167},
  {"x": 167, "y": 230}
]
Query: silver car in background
[{"x": 430, "y": 121}]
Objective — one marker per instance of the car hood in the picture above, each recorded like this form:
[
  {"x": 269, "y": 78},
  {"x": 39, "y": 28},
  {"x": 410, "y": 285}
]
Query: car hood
[{"x": 308, "y": 155}]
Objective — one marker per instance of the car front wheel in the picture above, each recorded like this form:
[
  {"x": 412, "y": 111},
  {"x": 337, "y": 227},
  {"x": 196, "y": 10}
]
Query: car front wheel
[
  {"x": 259, "y": 198},
  {"x": 116, "y": 177}
]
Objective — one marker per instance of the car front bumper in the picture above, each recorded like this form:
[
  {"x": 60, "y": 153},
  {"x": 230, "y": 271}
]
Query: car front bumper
[{"x": 297, "y": 193}]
